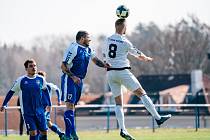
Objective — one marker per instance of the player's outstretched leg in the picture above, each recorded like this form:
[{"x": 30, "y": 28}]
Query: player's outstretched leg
[
  {"x": 151, "y": 108},
  {"x": 140, "y": 92},
  {"x": 126, "y": 135},
  {"x": 57, "y": 130},
  {"x": 163, "y": 119}
]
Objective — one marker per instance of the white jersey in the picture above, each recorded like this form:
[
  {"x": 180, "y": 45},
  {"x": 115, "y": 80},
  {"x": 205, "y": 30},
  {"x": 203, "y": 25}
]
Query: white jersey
[{"x": 116, "y": 51}]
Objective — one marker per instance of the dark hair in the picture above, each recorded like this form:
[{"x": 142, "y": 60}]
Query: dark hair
[
  {"x": 42, "y": 73},
  {"x": 81, "y": 34},
  {"x": 120, "y": 21},
  {"x": 29, "y": 61}
]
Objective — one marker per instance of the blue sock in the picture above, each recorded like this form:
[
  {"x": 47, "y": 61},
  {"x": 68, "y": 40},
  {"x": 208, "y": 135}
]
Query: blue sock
[
  {"x": 56, "y": 129},
  {"x": 34, "y": 137},
  {"x": 69, "y": 122},
  {"x": 42, "y": 137}
]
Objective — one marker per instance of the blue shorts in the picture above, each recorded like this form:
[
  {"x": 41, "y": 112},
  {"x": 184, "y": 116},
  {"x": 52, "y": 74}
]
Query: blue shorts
[
  {"x": 36, "y": 122},
  {"x": 71, "y": 92}
]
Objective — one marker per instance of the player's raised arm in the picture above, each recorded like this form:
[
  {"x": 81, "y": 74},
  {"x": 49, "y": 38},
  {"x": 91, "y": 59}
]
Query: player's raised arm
[
  {"x": 145, "y": 58},
  {"x": 100, "y": 63},
  {"x": 97, "y": 61},
  {"x": 136, "y": 52}
]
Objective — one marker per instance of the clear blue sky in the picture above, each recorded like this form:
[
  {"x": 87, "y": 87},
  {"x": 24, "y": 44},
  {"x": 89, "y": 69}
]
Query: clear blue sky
[{"x": 22, "y": 20}]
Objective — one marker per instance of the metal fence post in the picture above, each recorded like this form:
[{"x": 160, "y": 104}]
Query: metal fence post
[
  {"x": 55, "y": 114},
  {"x": 197, "y": 112},
  {"x": 196, "y": 119},
  {"x": 153, "y": 124},
  {"x": 108, "y": 119},
  {"x": 5, "y": 122}
]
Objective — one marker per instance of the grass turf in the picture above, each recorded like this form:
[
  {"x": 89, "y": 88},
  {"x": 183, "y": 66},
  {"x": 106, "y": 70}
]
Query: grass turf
[{"x": 139, "y": 134}]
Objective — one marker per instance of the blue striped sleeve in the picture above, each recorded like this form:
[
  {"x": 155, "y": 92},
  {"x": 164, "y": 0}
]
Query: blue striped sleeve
[{"x": 8, "y": 97}]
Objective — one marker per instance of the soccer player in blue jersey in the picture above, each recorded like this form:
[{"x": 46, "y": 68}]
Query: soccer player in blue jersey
[
  {"x": 30, "y": 88},
  {"x": 47, "y": 105},
  {"x": 74, "y": 67}
]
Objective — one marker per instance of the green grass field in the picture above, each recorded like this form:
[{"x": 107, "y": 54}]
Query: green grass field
[{"x": 141, "y": 134}]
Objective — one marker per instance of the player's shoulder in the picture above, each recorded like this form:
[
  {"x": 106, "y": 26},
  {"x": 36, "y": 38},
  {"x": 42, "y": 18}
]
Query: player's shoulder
[
  {"x": 73, "y": 47},
  {"x": 90, "y": 49},
  {"x": 20, "y": 78},
  {"x": 117, "y": 38},
  {"x": 50, "y": 84},
  {"x": 73, "y": 44},
  {"x": 113, "y": 36},
  {"x": 37, "y": 76}
]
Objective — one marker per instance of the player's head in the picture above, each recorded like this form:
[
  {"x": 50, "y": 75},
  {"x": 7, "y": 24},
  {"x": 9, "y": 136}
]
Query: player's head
[
  {"x": 30, "y": 67},
  {"x": 120, "y": 26},
  {"x": 83, "y": 38},
  {"x": 42, "y": 73}
]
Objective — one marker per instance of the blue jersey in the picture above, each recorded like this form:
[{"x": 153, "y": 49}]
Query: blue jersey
[
  {"x": 77, "y": 58},
  {"x": 30, "y": 93},
  {"x": 46, "y": 99}
]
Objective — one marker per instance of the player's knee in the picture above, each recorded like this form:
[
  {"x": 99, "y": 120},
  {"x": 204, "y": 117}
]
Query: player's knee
[
  {"x": 70, "y": 106},
  {"x": 118, "y": 100},
  {"x": 43, "y": 132},
  {"x": 139, "y": 92},
  {"x": 33, "y": 133}
]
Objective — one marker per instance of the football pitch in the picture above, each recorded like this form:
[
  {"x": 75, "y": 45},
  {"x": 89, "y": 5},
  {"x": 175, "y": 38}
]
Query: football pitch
[{"x": 139, "y": 134}]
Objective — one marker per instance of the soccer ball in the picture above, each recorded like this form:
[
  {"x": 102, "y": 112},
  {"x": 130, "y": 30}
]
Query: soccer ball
[{"x": 122, "y": 11}]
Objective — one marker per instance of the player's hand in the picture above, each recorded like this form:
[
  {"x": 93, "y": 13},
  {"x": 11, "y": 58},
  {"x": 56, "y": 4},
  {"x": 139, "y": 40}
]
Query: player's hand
[
  {"x": 76, "y": 79},
  {"x": 2, "y": 108},
  {"x": 148, "y": 59},
  {"x": 107, "y": 65},
  {"x": 48, "y": 108}
]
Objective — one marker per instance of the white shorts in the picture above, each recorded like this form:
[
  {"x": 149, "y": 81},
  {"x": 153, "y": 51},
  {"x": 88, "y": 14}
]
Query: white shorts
[{"x": 117, "y": 78}]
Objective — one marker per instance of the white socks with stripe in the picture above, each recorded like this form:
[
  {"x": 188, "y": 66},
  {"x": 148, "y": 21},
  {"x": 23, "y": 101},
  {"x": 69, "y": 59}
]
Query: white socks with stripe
[
  {"x": 150, "y": 106},
  {"x": 120, "y": 117}
]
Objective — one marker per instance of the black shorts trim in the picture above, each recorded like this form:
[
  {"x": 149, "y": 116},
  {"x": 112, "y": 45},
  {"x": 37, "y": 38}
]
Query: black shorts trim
[{"x": 123, "y": 68}]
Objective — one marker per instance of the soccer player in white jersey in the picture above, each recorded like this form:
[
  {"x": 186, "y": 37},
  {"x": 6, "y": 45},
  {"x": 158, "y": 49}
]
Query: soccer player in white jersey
[
  {"x": 30, "y": 88},
  {"x": 74, "y": 67},
  {"x": 47, "y": 105},
  {"x": 115, "y": 52}
]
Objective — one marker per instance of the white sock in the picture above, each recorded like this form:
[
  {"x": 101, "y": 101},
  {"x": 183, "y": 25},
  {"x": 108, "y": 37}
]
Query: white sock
[
  {"x": 120, "y": 117},
  {"x": 150, "y": 106}
]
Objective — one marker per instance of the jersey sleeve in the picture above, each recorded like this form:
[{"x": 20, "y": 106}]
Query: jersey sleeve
[
  {"x": 53, "y": 86},
  {"x": 133, "y": 50},
  {"x": 56, "y": 89},
  {"x": 104, "y": 50},
  {"x": 16, "y": 85},
  {"x": 92, "y": 54},
  {"x": 44, "y": 86},
  {"x": 70, "y": 53},
  {"x": 15, "y": 88}
]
